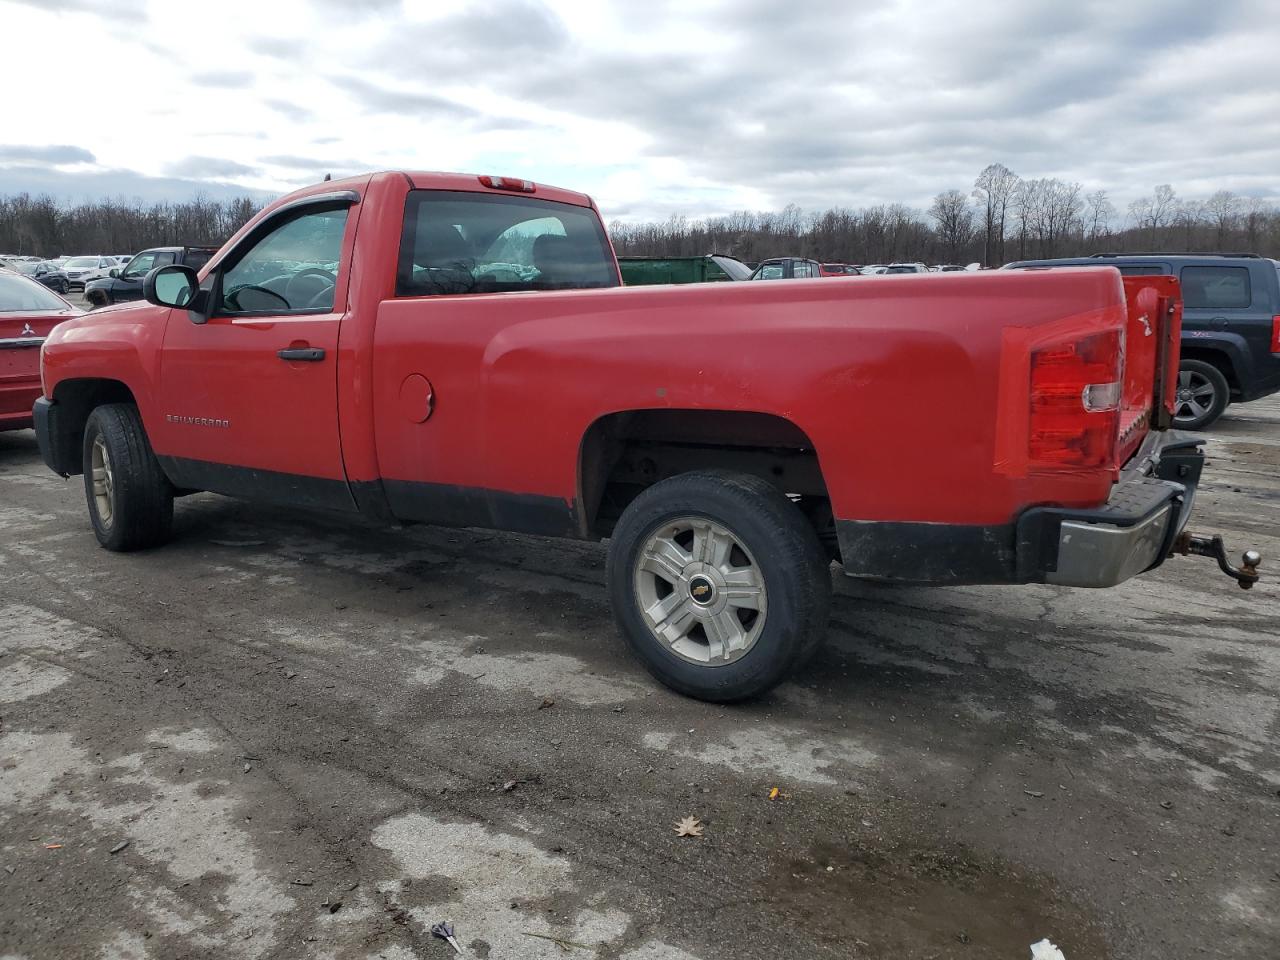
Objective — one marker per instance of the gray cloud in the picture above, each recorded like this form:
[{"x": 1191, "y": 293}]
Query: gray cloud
[
  {"x": 231, "y": 79},
  {"x": 372, "y": 96},
  {"x": 891, "y": 102},
  {"x": 95, "y": 185},
  {"x": 134, "y": 9},
  {"x": 212, "y": 167},
  {"x": 318, "y": 165},
  {"x": 60, "y": 153},
  {"x": 290, "y": 110}
]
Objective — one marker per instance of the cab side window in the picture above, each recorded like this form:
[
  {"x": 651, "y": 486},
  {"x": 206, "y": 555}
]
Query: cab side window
[{"x": 291, "y": 268}]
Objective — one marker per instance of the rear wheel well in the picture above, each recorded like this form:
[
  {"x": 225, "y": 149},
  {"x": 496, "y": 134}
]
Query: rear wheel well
[
  {"x": 76, "y": 399},
  {"x": 1217, "y": 359},
  {"x": 623, "y": 454}
]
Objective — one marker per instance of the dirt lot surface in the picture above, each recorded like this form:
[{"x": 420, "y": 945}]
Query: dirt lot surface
[{"x": 299, "y": 735}]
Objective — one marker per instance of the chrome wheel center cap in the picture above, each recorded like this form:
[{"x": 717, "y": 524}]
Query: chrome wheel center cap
[{"x": 702, "y": 590}]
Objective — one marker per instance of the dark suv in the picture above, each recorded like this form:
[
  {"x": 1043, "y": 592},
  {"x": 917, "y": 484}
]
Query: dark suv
[
  {"x": 125, "y": 283},
  {"x": 1230, "y": 324}
]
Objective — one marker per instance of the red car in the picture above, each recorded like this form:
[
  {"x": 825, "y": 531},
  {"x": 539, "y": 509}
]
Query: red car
[
  {"x": 835, "y": 270},
  {"x": 28, "y": 311},
  {"x": 459, "y": 350}
]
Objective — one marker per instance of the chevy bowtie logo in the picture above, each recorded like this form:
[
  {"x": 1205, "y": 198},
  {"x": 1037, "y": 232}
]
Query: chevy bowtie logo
[{"x": 27, "y": 331}]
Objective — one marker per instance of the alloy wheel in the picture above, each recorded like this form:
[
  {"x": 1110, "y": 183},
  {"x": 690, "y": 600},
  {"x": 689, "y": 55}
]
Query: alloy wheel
[
  {"x": 700, "y": 591},
  {"x": 103, "y": 480}
]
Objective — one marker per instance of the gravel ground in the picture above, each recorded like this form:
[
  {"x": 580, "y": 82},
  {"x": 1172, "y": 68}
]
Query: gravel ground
[{"x": 295, "y": 735}]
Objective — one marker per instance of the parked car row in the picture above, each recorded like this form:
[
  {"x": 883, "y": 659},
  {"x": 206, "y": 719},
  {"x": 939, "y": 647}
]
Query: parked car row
[{"x": 65, "y": 273}]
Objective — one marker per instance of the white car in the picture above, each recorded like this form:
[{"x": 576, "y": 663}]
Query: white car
[
  {"x": 906, "y": 268},
  {"x": 80, "y": 270}
]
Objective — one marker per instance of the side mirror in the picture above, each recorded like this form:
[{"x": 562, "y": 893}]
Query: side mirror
[
  {"x": 170, "y": 286},
  {"x": 113, "y": 272}
]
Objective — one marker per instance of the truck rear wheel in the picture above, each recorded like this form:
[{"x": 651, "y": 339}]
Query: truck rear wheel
[
  {"x": 130, "y": 499},
  {"x": 719, "y": 584},
  {"x": 1202, "y": 395}
]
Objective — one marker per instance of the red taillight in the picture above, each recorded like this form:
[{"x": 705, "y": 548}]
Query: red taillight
[
  {"x": 1275, "y": 334},
  {"x": 509, "y": 183},
  {"x": 1075, "y": 401}
]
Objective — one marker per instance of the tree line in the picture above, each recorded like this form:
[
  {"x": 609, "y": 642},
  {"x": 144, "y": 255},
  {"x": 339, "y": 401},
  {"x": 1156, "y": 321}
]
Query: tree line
[
  {"x": 42, "y": 227},
  {"x": 1001, "y": 218}
]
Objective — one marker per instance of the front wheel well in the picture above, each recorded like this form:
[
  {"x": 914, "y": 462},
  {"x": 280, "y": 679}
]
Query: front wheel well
[
  {"x": 623, "y": 454},
  {"x": 75, "y": 400}
]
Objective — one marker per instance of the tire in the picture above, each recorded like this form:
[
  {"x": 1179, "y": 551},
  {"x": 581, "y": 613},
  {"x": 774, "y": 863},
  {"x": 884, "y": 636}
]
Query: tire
[
  {"x": 130, "y": 499},
  {"x": 773, "y": 551},
  {"x": 1203, "y": 393},
  {"x": 96, "y": 298}
]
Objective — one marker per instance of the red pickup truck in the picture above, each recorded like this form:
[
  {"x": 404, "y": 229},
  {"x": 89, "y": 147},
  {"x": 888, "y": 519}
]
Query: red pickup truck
[{"x": 458, "y": 350}]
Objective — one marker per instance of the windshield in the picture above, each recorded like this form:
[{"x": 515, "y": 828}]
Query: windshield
[
  {"x": 736, "y": 269},
  {"x": 770, "y": 271},
  {"x": 20, "y": 295},
  {"x": 81, "y": 262}
]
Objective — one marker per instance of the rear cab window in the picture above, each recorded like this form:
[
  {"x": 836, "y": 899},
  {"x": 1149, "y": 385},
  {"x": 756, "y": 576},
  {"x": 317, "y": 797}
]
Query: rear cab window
[
  {"x": 455, "y": 242},
  {"x": 1216, "y": 288}
]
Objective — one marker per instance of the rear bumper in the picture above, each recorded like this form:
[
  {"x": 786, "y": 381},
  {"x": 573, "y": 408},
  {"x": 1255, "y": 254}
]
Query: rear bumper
[{"x": 1131, "y": 533}]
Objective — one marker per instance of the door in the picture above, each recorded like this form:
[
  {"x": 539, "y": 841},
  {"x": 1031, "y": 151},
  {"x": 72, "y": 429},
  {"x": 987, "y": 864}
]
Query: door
[{"x": 249, "y": 398}]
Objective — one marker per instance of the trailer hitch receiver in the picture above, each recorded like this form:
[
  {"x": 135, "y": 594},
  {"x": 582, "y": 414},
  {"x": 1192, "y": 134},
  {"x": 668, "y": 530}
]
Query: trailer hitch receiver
[{"x": 1188, "y": 544}]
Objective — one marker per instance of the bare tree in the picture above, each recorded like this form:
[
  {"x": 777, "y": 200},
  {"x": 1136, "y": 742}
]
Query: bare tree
[
  {"x": 954, "y": 218},
  {"x": 1187, "y": 217},
  {"x": 1223, "y": 212},
  {"x": 1100, "y": 211},
  {"x": 994, "y": 190}
]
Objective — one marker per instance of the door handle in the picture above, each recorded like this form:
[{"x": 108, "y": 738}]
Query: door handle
[{"x": 309, "y": 354}]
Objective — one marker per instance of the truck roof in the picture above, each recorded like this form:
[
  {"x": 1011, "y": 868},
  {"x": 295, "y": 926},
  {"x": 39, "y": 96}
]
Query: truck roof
[{"x": 436, "y": 180}]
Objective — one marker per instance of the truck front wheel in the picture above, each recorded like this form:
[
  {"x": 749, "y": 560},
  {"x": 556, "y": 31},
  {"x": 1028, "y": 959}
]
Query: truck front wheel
[
  {"x": 719, "y": 584},
  {"x": 130, "y": 498}
]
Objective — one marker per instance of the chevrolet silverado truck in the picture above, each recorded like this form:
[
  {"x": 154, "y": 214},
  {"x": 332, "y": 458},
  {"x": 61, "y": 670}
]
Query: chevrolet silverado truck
[{"x": 459, "y": 350}]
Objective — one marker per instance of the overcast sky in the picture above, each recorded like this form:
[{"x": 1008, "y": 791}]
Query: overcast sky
[{"x": 652, "y": 106}]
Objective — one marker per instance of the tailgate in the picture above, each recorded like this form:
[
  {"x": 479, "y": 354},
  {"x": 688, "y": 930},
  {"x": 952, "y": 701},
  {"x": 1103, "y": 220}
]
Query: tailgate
[{"x": 1152, "y": 336}]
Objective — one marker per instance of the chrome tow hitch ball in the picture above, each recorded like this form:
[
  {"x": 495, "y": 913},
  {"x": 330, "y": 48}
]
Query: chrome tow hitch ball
[{"x": 1188, "y": 544}]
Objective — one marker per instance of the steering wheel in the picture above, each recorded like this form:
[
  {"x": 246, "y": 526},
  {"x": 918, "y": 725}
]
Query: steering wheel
[
  {"x": 232, "y": 297},
  {"x": 309, "y": 293}
]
